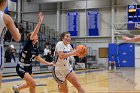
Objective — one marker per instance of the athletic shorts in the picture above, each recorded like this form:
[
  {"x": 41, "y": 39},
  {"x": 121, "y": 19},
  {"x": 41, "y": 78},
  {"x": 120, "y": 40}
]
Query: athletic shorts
[
  {"x": 21, "y": 70},
  {"x": 61, "y": 70},
  {"x": 112, "y": 64}
]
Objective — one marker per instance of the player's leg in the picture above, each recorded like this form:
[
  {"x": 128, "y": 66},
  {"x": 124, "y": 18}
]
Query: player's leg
[
  {"x": 25, "y": 73},
  {"x": 58, "y": 75},
  {"x": 30, "y": 82},
  {"x": 63, "y": 87},
  {"x": 72, "y": 78}
]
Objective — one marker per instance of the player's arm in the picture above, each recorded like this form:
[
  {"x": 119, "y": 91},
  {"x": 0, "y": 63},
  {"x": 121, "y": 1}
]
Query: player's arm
[
  {"x": 66, "y": 55},
  {"x": 11, "y": 27},
  {"x": 43, "y": 61},
  {"x": 135, "y": 39},
  {"x": 35, "y": 32},
  {"x": 137, "y": 27}
]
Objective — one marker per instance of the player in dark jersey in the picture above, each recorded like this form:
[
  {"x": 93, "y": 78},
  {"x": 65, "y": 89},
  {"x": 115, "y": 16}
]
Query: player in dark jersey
[{"x": 28, "y": 53}]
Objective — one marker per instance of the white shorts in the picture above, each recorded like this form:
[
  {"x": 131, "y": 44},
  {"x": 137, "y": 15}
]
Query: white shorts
[{"x": 61, "y": 70}]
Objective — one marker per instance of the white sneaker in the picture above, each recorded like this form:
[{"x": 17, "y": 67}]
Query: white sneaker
[{"x": 15, "y": 89}]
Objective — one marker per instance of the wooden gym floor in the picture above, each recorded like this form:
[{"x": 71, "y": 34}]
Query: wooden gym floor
[{"x": 123, "y": 80}]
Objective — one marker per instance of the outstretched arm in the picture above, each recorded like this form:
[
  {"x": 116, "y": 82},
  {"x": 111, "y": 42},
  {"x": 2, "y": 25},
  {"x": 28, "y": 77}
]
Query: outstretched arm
[
  {"x": 135, "y": 39},
  {"x": 43, "y": 61},
  {"x": 35, "y": 32},
  {"x": 137, "y": 27}
]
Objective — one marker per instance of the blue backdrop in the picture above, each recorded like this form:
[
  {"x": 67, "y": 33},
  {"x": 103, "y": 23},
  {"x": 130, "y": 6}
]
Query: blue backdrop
[
  {"x": 93, "y": 23},
  {"x": 72, "y": 23},
  {"x": 124, "y": 54}
]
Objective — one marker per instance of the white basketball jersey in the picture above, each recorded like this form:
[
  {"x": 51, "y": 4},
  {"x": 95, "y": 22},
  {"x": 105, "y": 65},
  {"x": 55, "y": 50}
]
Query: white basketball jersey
[
  {"x": 2, "y": 32},
  {"x": 62, "y": 66},
  {"x": 2, "y": 25},
  {"x": 60, "y": 46}
]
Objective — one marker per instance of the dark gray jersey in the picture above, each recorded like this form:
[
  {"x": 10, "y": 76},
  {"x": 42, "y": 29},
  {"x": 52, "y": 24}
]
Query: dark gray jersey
[{"x": 28, "y": 53}]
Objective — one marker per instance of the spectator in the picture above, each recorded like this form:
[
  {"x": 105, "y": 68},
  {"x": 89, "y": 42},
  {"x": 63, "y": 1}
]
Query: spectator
[
  {"x": 112, "y": 63},
  {"x": 47, "y": 53},
  {"x": 84, "y": 60},
  {"x": 10, "y": 54},
  {"x": 52, "y": 49},
  {"x": 12, "y": 51}
]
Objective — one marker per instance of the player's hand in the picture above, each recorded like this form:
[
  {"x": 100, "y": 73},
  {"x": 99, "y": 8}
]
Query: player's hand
[
  {"x": 137, "y": 27},
  {"x": 76, "y": 51},
  {"x": 51, "y": 64}
]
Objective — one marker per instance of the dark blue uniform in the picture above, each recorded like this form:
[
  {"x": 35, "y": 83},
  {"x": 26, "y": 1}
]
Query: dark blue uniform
[
  {"x": 112, "y": 59},
  {"x": 28, "y": 53}
]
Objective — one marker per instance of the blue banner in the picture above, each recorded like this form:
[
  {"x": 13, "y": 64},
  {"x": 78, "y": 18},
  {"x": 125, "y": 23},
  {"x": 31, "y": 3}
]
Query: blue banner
[
  {"x": 14, "y": 0},
  {"x": 93, "y": 23},
  {"x": 133, "y": 26},
  {"x": 72, "y": 23}
]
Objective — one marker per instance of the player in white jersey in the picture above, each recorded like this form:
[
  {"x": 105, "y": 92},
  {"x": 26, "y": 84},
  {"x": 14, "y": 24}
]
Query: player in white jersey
[
  {"x": 62, "y": 71},
  {"x": 6, "y": 21}
]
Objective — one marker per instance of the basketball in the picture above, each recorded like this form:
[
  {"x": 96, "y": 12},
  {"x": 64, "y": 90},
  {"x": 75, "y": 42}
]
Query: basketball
[{"x": 83, "y": 51}]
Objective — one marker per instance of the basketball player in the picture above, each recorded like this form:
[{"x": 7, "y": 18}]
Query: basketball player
[
  {"x": 28, "y": 53},
  {"x": 6, "y": 21},
  {"x": 62, "y": 70}
]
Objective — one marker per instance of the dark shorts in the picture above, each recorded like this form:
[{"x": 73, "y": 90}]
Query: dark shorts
[
  {"x": 21, "y": 70},
  {"x": 112, "y": 64}
]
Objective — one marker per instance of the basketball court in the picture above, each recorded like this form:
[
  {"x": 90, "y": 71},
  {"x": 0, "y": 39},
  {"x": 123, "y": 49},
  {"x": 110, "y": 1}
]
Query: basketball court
[{"x": 124, "y": 80}]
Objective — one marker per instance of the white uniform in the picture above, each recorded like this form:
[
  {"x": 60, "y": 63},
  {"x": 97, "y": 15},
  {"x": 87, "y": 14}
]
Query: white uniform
[
  {"x": 46, "y": 51},
  {"x": 2, "y": 32},
  {"x": 62, "y": 66}
]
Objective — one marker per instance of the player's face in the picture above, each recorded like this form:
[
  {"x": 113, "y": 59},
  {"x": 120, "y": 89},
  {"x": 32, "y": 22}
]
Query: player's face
[
  {"x": 67, "y": 39},
  {"x": 36, "y": 39}
]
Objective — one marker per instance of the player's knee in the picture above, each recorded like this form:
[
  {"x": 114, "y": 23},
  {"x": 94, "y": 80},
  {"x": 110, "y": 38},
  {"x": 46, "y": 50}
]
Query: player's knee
[
  {"x": 64, "y": 89},
  {"x": 78, "y": 86},
  {"x": 32, "y": 85}
]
